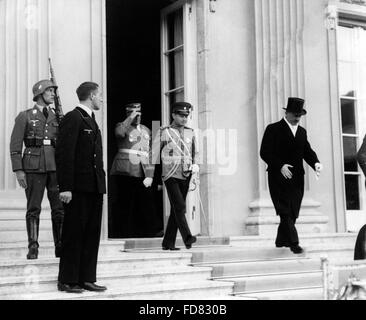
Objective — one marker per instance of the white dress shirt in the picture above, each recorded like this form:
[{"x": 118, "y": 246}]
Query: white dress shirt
[
  {"x": 293, "y": 128},
  {"x": 86, "y": 109}
]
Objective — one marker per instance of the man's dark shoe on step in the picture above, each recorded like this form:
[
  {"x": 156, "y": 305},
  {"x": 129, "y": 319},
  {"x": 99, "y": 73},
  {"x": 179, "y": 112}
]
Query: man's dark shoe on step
[
  {"x": 70, "y": 288},
  {"x": 171, "y": 248},
  {"x": 92, "y": 287},
  {"x": 297, "y": 249},
  {"x": 189, "y": 242}
]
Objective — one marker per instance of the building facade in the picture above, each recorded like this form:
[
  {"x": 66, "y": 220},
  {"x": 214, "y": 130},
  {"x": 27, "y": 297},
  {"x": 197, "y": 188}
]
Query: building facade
[{"x": 236, "y": 61}]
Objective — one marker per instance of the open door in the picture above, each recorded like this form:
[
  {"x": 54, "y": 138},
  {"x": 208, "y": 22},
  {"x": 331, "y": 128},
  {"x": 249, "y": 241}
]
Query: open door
[{"x": 179, "y": 82}]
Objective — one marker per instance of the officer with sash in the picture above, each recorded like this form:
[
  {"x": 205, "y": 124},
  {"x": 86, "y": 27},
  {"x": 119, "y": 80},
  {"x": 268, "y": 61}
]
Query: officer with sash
[
  {"x": 133, "y": 210},
  {"x": 37, "y": 129},
  {"x": 179, "y": 161}
]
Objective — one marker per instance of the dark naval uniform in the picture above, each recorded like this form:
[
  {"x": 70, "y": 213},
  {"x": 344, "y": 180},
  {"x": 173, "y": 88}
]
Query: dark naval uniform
[
  {"x": 79, "y": 158},
  {"x": 39, "y": 135},
  {"x": 133, "y": 210},
  {"x": 178, "y": 154}
]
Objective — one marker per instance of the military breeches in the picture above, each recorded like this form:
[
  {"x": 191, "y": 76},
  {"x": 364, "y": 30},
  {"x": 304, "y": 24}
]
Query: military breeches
[
  {"x": 133, "y": 209},
  {"x": 177, "y": 192},
  {"x": 36, "y": 185}
]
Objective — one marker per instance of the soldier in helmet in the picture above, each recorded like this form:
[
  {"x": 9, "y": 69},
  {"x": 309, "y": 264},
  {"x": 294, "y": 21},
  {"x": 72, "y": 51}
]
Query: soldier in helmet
[
  {"x": 35, "y": 168},
  {"x": 179, "y": 158}
]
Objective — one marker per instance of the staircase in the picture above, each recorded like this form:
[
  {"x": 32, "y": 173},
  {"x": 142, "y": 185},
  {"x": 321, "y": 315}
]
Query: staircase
[
  {"x": 261, "y": 271},
  {"x": 244, "y": 267}
]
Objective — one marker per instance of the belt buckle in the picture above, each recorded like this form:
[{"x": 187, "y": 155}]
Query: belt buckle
[{"x": 46, "y": 142}]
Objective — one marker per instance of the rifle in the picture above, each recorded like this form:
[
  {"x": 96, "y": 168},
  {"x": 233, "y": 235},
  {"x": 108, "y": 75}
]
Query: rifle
[{"x": 58, "y": 106}]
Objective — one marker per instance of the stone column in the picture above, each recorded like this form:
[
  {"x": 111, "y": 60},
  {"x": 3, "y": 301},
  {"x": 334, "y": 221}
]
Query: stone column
[{"x": 280, "y": 74}]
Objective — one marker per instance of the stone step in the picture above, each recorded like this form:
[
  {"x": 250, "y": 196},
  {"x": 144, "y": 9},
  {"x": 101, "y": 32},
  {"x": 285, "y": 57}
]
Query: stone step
[
  {"x": 190, "y": 290},
  {"x": 274, "y": 281},
  {"x": 19, "y": 250},
  {"x": 229, "y": 253},
  {"x": 306, "y": 293},
  {"x": 305, "y": 239},
  {"x": 13, "y": 236},
  {"x": 254, "y": 267},
  {"x": 153, "y": 243},
  {"x": 20, "y": 225},
  {"x": 19, "y": 213},
  {"x": 123, "y": 261},
  {"x": 126, "y": 279}
]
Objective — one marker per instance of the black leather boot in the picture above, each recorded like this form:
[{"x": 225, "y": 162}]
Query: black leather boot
[
  {"x": 32, "y": 230},
  {"x": 57, "y": 231}
]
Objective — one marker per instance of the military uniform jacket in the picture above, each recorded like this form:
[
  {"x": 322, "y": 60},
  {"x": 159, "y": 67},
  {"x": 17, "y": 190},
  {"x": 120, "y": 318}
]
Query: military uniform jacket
[
  {"x": 134, "y": 151},
  {"x": 178, "y": 151},
  {"x": 32, "y": 127},
  {"x": 79, "y": 154}
]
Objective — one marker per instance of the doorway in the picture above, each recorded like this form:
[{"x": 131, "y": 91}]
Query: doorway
[{"x": 133, "y": 75}]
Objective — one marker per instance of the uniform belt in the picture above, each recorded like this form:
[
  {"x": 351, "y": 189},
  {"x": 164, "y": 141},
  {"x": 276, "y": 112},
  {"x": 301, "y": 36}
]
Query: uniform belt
[
  {"x": 36, "y": 142},
  {"x": 132, "y": 151}
]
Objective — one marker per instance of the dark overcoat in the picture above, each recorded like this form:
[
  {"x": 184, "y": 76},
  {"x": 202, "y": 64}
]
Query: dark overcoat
[{"x": 279, "y": 146}]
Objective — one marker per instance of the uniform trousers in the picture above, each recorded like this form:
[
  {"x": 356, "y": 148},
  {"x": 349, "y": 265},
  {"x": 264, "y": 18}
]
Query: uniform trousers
[
  {"x": 177, "y": 190},
  {"x": 286, "y": 196},
  {"x": 36, "y": 184},
  {"x": 80, "y": 238},
  {"x": 133, "y": 209}
]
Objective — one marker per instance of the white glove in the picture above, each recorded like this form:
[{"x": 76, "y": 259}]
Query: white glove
[
  {"x": 195, "y": 168},
  {"x": 318, "y": 168},
  {"x": 147, "y": 182}
]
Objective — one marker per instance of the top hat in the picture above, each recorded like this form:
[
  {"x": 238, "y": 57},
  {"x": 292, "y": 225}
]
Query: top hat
[
  {"x": 181, "y": 107},
  {"x": 133, "y": 107},
  {"x": 295, "y": 105}
]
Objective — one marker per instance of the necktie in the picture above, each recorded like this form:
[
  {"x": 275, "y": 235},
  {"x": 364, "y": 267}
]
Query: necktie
[
  {"x": 93, "y": 116},
  {"x": 45, "y": 112}
]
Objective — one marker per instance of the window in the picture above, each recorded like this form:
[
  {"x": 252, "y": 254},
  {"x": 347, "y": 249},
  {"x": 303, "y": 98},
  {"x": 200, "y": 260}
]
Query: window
[{"x": 352, "y": 89}]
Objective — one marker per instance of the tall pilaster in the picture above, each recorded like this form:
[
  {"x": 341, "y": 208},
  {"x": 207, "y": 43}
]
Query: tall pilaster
[{"x": 280, "y": 74}]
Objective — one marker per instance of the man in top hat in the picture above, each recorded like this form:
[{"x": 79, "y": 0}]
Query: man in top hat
[
  {"x": 133, "y": 210},
  {"x": 284, "y": 147},
  {"x": 179, "y": 160},
  {"x": 37, "y": 129}
]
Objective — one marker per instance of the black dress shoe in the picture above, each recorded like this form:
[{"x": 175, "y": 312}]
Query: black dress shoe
[
  {"x": 189, "y": 242},
  {"x": 57, "y": 251},
  {"x": 92, "y": 286},
  {"x": 171, "y": 248},
  {"x": 71, "y": 288},
  {"x": 32, "y": 253},
  {"x": 297, "y": 249},
  {"x": 159, "y": 234}
]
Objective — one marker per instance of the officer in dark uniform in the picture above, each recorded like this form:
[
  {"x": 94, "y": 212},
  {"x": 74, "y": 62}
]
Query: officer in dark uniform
[
  {"x": 179, "y": 160},
  {"x": 133, "y": 210},
  {"x": 37, "y": 129},
  {"x": 79, "y": 158}
]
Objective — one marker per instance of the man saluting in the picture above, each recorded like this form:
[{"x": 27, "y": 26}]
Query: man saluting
[{"x": 284, "y": 147}]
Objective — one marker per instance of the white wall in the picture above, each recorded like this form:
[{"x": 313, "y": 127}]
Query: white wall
[{"x": 231, "y": 85}]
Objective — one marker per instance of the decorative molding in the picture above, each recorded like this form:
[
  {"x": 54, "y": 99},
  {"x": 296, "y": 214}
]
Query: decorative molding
[{"x": 358, "y": 2}]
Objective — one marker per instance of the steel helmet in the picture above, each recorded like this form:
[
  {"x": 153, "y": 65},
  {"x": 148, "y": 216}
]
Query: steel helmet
[{"x": 41, "y": 86}]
